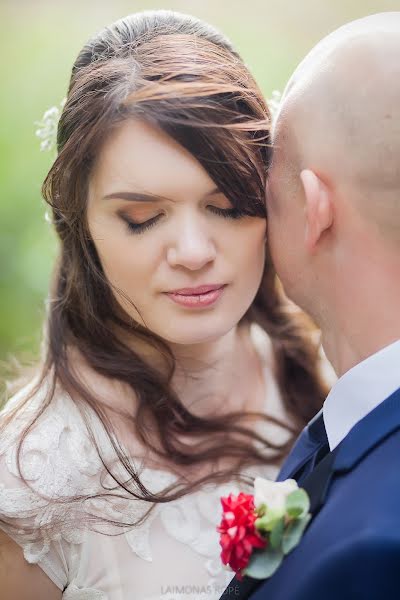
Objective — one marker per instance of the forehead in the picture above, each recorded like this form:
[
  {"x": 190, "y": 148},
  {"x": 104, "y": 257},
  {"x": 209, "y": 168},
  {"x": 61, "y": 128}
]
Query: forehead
[{"x": 140, "y": 156}]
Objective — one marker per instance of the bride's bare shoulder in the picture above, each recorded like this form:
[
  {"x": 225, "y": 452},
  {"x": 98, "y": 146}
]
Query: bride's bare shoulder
[{"x": 18, "y": 578}]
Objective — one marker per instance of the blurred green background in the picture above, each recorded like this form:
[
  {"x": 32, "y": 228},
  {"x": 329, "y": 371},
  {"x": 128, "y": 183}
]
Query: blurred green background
[{"x": 38, "y": 44}]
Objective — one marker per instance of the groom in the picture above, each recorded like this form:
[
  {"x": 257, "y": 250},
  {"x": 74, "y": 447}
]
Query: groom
[{"x": 333, "y": 203}]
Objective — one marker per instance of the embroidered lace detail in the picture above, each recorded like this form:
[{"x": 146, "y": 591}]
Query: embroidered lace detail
[{"x": 74, "y": 593}]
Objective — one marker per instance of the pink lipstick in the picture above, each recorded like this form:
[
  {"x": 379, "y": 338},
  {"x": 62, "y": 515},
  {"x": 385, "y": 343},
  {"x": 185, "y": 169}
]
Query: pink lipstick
[{"x": 202, "y": 296}]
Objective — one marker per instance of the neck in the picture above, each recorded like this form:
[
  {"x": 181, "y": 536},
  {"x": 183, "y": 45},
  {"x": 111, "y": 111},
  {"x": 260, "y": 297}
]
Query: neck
[
  {"x": 218, "y": 376},
  {"x": 363, "y": 314}
]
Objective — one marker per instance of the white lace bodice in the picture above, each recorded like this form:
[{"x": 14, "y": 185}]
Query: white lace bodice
[{"x": 173, "y": 554}]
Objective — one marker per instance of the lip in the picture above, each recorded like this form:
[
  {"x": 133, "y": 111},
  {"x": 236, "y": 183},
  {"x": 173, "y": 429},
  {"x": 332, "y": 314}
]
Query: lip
[
  {"x": 208, "y": 296},
  {"x": 195, "y": 291}
]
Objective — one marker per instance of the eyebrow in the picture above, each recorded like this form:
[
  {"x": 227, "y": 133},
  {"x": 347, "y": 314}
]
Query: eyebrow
[{"x": 142, "y": 197}]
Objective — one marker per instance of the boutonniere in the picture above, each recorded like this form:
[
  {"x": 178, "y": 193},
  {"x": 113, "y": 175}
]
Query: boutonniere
[{"x": 258, "y": 530}]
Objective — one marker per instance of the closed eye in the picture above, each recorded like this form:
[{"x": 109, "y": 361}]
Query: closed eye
[
  {"x": 227, "y": 213},
  {"x": 139, "y": 227},
  {"x": 134, "y": 227}
]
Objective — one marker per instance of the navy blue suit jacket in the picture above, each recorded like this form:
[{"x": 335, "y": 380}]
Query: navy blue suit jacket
[{"x": 351, "y": 548}]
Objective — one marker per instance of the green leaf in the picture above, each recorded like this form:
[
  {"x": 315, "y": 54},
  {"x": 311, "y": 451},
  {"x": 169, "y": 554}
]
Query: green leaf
[
  {"x": 277, "y": 533},
  {"x": 261, "y": 510},
  {"x": 297, "y": 504},
  {"x": 268, "y": 521},
  {"x": 264, "y": 563},
  {"x": 293, "y": 533}
]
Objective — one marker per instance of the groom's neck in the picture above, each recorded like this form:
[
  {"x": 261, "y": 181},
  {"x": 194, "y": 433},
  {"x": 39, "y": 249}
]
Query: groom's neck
[
  {"x": 363, "y": 315},
  {"x": 344, "y": 352}
]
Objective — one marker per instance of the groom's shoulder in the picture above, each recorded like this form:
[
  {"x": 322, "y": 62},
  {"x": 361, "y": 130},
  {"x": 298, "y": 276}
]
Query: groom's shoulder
[
  {"x": 378, "y": 469},
  {"x": 369, "y": 455},
  {"x": 381, "y": 462}
]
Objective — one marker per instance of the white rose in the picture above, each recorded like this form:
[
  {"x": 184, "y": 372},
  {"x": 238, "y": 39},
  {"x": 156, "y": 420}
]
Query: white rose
[{"x": 273, "y": 493}]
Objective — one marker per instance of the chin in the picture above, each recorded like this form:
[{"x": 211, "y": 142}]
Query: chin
[{"x": 199, "y": 334}]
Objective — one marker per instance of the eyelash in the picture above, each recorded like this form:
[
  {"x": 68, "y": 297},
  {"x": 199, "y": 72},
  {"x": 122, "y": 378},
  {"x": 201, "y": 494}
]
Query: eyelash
[
  {"x": 227, "y": 213},
  {"x": 140, "y": 227}
]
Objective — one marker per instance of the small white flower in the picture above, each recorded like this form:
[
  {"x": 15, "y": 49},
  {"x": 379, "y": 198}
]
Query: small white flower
[
  {"x": 273, "y": 493},
  {"x": 47, "y": 127}
]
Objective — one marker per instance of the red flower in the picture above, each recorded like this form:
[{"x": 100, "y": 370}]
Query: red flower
[{"x": 238, "y": 533}]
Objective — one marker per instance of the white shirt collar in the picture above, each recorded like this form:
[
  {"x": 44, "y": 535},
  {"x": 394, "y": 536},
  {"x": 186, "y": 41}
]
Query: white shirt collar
[{"x": 360, "y": 390}]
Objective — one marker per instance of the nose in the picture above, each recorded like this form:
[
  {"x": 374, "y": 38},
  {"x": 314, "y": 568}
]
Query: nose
[{"x": 192, "y": 247}]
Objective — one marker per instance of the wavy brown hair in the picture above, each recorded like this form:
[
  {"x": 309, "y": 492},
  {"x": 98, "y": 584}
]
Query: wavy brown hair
[{"x": 182, "y": 75}]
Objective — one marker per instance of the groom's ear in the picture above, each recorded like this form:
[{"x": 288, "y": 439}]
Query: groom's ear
[{"x": 318, "y": 208}]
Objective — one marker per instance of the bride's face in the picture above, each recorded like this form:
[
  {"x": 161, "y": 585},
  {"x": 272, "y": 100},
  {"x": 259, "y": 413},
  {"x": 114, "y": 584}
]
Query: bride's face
[{"x": 169, "y": 240}]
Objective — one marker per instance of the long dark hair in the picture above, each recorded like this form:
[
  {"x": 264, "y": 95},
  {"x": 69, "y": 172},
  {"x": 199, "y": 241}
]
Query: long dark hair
[{"x": 174, "y": 71}]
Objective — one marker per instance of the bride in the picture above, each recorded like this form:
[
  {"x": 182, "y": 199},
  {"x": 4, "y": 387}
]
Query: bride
[{"x": 173, "y": 370}]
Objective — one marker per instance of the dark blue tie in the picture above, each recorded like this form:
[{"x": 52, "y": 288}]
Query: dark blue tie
[{"x": 310, "y": 447}]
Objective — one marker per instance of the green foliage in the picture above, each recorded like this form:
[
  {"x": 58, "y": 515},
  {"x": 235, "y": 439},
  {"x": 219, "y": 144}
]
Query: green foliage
[
  {"x": 264, "y": 563},
  {"x": 283, "y": 536},
  {"x": 282, "y": 533},
  {"x": 277, "y": 533},
  {"x": 293, "y": 533},
  {"x": 297, "y": 504}
]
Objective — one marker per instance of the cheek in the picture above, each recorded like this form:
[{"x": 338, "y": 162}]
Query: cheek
[
  {"x": 249, "y": 250},
  {"x": 119, "y": 254}
]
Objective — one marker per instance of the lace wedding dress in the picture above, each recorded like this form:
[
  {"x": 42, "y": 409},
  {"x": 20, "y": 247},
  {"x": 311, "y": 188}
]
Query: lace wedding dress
[{"x": 173, "y": 554}]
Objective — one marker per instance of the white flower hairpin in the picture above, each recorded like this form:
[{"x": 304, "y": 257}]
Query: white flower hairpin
[{"x": 47, "y": 127}]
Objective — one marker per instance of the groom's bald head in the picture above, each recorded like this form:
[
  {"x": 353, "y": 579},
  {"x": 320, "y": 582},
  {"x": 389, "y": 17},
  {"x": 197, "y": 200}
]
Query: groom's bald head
[{"x": 340, "y": 117}]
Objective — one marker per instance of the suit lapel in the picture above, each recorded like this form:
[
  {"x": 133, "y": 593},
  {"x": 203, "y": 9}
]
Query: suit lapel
[
  {"x": 365, "y": 435},
  {"x": 317, "y": 483},
  {"x": 302, "y": 451}
]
